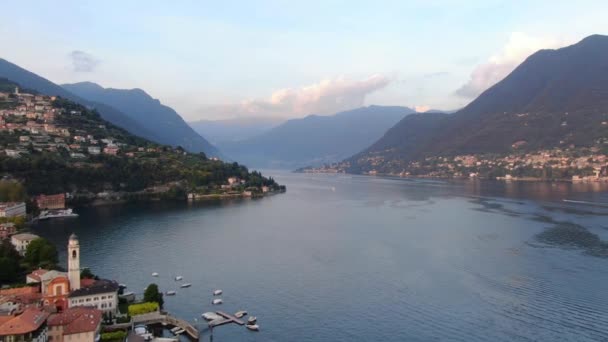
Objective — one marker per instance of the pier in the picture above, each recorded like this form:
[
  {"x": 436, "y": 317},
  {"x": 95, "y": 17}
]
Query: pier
[
  {"x": 168, "y": 320},
  {"x": 227, "y": 319}
]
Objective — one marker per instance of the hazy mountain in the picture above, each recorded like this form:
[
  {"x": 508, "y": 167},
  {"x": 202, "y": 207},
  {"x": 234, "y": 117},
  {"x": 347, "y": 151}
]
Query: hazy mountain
[
  {"x": 554, "y": 98},
  {"x": 230, "y": 130},
  {"x": 32, "y": 81},
  {"x": 315, "y": 140},
  {"x": 150, "y": 113}
]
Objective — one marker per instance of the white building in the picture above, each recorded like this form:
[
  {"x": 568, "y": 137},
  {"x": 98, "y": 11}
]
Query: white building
[
  {"x": 21, "y": 241},
  {"x": 102, "y": 295},
  {"x": 12, "y": 209},
  {"x": 94, "y": 150}
]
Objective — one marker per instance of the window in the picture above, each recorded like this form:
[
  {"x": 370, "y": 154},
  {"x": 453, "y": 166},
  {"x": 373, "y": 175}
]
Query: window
[
  {"x": 80, "y": 300},
  {"x": 74, "y": 254},
  {"x": 96, "y": 298},
  {"x": 88, "y": 299},
  {"x": 103, "y": 297}
]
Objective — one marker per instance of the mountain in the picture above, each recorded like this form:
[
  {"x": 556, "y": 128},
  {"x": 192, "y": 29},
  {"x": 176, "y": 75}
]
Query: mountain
[
  {"x": 316, "y": 139},
  {"x": 150, "y": 113},
  {"x": 230, "y": 130},
  {"x": 555, "y": 98},
  {"x": 32, "y": 81}
]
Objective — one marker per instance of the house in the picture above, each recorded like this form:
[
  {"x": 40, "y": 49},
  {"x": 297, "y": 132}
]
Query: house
[
  {"x": 75, "y": 325},
  {"x": 50, "y": 201},
  {"x": 21, "y": 241},
  {"x": 102, "y": 294},
  {"x": 111, "y": 150},
  {"x": 28, "y": 326},
  {"x": 12, "y": 209},
  {"x": 6, "y": 230},
  {"x": 77, "y": 155},
  {"x": 233, "y": 180},
  {"x": 94, "y": 150}
]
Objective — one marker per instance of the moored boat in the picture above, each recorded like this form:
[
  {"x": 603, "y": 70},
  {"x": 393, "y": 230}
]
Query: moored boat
[
  {"x": 57, "y": 213},
  {"x": 171, "y": 293},
  {"x": 210, "y": 316},
  {"x": 217, "y": 301},
  {"x": 186, "y": 285},
  {"x": 154, "y": 274},
  {"x": 240, "y": 314},
  {"x": 252, "y": 320},
  {"x": 217, "y": 292},
  {"x": 253, "y": 327},
  {"x": 178, "y": 278}
]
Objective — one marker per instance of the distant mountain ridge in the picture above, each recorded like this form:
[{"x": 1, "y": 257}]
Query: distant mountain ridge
[
  {"x": 315, "y": 140},
  {"x": 555, "y": 98},
  {"x": 231, "y": 130},
  {"x": 150, "y": 113}
]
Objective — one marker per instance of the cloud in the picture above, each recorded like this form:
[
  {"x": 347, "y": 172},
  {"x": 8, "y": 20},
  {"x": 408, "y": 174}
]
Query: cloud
[
  {"x": 83, "y": 62},
  {"x": 517, "y": 49},
  {"x": 422, "y": 108},
  {"x": 326, "y": 97}
]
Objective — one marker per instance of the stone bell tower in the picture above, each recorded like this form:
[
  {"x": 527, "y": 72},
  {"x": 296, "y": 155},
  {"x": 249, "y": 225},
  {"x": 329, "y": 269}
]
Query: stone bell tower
[{"x": 74, "y": 262}]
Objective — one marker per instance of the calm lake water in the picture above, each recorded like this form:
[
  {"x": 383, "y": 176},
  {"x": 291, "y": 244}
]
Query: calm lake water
[{"x": 350, "y": 258}]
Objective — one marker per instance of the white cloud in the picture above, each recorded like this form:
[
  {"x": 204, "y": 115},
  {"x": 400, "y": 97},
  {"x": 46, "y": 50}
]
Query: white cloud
[
  {"x": 422, "y": 108},
  {"x": 517, "y": 49},
  {"x": 326, "y": 97},
  {"x": 83, "y": 61}
]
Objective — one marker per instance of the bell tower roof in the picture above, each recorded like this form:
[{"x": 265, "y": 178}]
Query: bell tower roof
[{"x": 73, "y": 237}]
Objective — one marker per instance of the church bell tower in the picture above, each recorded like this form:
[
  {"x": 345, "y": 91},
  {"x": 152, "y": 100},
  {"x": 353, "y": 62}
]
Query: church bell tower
[{"x": 74, "y": 262}]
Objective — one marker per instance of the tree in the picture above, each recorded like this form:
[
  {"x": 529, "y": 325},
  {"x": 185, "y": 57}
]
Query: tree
[
  {"x": 10, "y": 268},
  {"x": 152, "y": 294},
  {"x": 87, "y": 274},
  {"x": 41, "y": 253}
]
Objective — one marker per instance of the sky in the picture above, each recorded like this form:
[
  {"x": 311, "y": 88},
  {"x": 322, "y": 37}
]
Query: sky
[{"x": 286, "y": 59}]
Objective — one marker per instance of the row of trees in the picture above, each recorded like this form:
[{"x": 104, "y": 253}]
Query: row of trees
[{"x": 40, "y": 253}]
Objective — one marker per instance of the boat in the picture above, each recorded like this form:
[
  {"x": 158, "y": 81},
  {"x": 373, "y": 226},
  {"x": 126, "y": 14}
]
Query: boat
[
  {"x": 240, "y": 314},
  {"x": 186, "y": 285},
  {"x": 122, "y": 286},
  {"x": 154, "y": 274},
  {"x": 217, "y": 301},
  {"x": 128, "y": 296},
  {"x": 171, "y": 293},
  {"x": 210, "y": 316},
  {"x": 253, "y": 327},
  {"x": 252, "y": 320},
  {"x": 217, "y": 292},
  {"x": 57, "y": 213},
  {"x": 178, "y": 278}
]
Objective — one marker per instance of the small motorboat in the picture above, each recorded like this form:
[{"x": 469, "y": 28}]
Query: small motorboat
[
  {"x": 253, "y": 327},
  {"x": 217, "y": 301},
  {"x": 178, "y": 278},
  {"x": 252, "y": 320},
  {"x": 240, "y": 314},
  {"x": 122, "y": 286},
  {"x": 155, "y": 274},
  {"x": 171, "y": 293},
  {"x": 186, "y": 285},
  {"x": 217, "y": 292},
  {"x": 210, "y": 316}
]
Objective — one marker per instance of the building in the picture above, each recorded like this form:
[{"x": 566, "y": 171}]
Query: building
[
  {"x": 12, "y": 209},
  {"x": 75, "y": 325},
  {"x": 50, "y": 201},
  {"x": 6, "y": 230},
  {"x": 94, "y": 150},
  {"x": 21, "y": 241},
  {"x": 29, "y": 326},
  {"x": 102, "y": 294},
  {"x": 111, "y": 150},
  {"x": 74, "y": 262}
]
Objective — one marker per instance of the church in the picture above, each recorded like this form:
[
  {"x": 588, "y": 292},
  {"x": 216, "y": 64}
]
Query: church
[{"x": 63, "y": 290}]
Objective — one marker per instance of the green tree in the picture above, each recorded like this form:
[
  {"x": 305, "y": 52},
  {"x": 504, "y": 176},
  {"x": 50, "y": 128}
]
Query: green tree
[
  {"x": 41, "y": 253},
  {"x": 10, "y": 266},
  {"x": 152, "y": 294}
]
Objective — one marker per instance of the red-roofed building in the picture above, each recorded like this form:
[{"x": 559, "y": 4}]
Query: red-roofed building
[
  {"x": 28, "y": 326},
  {"x": 35, "y": 277},
  {"x": 50, "y": 201},
  {"x": 79, "y": 324}
]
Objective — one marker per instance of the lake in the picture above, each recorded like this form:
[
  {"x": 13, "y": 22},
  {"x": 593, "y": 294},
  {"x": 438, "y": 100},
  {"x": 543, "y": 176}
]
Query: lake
[{"x": 354, "y": 258}]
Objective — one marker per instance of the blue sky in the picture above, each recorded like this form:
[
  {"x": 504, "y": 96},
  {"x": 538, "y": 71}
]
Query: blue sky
[{"x": 222, "y": 59}]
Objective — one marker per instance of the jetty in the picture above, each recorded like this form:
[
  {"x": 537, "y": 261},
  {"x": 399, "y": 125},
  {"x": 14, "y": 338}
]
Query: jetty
[
  {"x": 167, "y": 320},
  {"x": 227, "y": 319}
]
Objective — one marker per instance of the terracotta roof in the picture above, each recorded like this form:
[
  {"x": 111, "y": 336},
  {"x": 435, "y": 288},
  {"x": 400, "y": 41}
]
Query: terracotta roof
[
  {"x": 37, "y": 274},
  {"x": 19, "y": 291},
  {"x": 77, "y": 320},
  {"x": 30, "y": 320},
  {"x": 87, "y": 282}
]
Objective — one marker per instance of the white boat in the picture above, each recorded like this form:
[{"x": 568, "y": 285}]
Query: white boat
[
  {"x": 252, "y": 320},
  {"x": 240, "y": 314},
  {"x": 217, "y": 301},
  {"x": 210, "y": 316},
  {"x": 154, "y": 274},
  {"x": 58, "y": 213},
  {"x": 253, "y": 327},
  {"x": 178, "y": 278},
  {"x": 171, "y": 293},
  {"x": 186, "y": 285},
  {"x": 217, "y": 292}
]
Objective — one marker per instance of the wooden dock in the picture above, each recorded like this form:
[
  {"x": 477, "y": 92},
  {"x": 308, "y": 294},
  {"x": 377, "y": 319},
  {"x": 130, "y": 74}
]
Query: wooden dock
[
  {"x": 165, "y": 319},
  {"x": 227, "y": 319}
]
